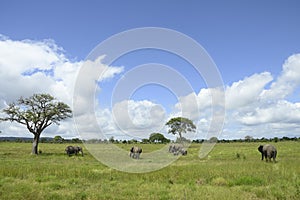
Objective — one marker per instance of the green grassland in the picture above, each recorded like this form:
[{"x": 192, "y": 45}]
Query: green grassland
[{"x": 230, "y": 171}]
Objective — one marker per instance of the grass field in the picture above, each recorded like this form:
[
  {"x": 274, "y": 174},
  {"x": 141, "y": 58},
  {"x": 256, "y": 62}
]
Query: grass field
[{"x": 231, "y": 171}]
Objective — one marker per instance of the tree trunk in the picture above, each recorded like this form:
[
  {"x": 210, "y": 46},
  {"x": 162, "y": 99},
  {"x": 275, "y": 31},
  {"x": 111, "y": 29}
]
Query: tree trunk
[
  {"x": 35, "y": 144},
  {"x": 180, "y": 137}
]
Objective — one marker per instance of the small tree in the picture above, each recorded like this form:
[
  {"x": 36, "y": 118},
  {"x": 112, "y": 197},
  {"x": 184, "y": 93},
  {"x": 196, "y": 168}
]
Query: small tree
[
  {"x": 111, "y": 139},
  {"x": 213, "y": 140},
  {"x": 37, "y": 113},
  {"x": 179, "y": 125},
  {"x": 248, "y": 138},
  {"x": 58, "y": 139},
  {"x": 158, "y": 137},
  {"x": 145, "y": 141}
]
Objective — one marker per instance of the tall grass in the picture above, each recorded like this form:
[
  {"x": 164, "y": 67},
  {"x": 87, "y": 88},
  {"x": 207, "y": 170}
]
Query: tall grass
[{"x": 221, "y": 175}]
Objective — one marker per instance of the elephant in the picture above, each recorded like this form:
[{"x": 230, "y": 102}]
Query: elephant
[
  {"x": 177, "y": 149},
  {"x": 73, "y": 150},
  {"x": 268, "y": 151},
  {"x": 135, "y": 152},
  {"x": 183, "y": 152}
]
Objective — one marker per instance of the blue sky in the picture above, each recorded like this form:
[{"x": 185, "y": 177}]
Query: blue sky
[
  {"x": 248, "y": 40},
  {"x": 248, "y": 30}
]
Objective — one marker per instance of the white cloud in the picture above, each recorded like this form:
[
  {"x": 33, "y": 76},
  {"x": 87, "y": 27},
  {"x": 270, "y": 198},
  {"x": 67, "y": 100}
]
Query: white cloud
[
  {"x": 246, "y": 91},
  {"x": 28, "y": 67},
  {"x": 272, "y": 107},
  {"x": 287, "y": 82},
  {"x": 281, "y": 112},
  {"x": 249, "y": 103},
  {"x": 256, "y": 105},
  {"x": 268, "y": 113},
  {"x": 86, "y": 85},
  {"x": 138, "y": 118}
]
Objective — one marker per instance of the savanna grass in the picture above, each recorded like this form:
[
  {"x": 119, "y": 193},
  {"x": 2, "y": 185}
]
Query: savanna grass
[{"x": 221, "y": 175}]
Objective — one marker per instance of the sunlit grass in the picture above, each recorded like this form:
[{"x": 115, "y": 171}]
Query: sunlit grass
[{"x": 221, "y": 175}]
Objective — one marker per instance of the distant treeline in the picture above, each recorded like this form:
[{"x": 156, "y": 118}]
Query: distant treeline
[
  {"x": 42, "y": 140},
  {"x": 59, "y": 139},
  {"x": 275, "y": 139}
]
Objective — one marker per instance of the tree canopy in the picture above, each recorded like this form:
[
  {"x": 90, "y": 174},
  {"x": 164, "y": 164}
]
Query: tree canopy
[
  {"x": 179, "y": 125},
  {"x": 37, "y": 113},
  {"x": 158, "y": 137}
]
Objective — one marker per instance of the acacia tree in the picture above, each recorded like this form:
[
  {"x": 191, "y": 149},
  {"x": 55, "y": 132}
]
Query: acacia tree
[
  {"x": 179, "y": 125},
  {"x": 37, "y": 113}
]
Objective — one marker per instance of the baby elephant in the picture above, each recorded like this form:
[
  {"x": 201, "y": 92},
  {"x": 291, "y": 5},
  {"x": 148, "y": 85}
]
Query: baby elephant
[
  {"x": 135, "y": 152},
  {"x": 268, "y": 151},
  {"x": 73, "y": 150}
]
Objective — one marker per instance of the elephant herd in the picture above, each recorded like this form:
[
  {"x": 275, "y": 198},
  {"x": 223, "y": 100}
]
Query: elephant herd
[
  {"x": 267, "y": 151},
  {"x": 177, "y": 149},
  {"x": 135, "y": 151}
]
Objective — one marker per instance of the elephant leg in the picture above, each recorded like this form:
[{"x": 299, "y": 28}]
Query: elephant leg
[
  {"x": 274, "y": 157},
  {"x": 270, "y": 158}
]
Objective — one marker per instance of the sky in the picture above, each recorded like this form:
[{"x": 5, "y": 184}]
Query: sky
[{"x": 46, "y": 46}]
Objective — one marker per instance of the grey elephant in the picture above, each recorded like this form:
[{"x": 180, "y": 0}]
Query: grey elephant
[
  {"x": 135, "y": 152},
  {"x": 73, "y": 150},
  {"x": 177, "y": 149},
  {"x": 183, "y": 152},
  {"x": 268, "y": 152}
]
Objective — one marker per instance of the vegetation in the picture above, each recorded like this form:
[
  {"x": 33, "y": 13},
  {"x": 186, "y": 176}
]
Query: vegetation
[
  {"x": 59, "y": 139},
  {"x": 158, "y": 138},
  {"x": 37, "y": 113},
  {"x": 230, "y": 171},
  {"x": 179, "y": 125}
]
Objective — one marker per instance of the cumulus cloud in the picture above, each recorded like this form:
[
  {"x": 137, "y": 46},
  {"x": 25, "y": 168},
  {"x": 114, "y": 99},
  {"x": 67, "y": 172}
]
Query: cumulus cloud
[
  {"x": 28, "y": 67},
  {"x": 256, "y": 105},
  {"x": 287, "y": 82},
  {"x": 138, "y": 118},
  {"x": 252, "y": 106},
  {"x": 281, "y": 112},
  {"x": 246, "y": 91},
  {"x": 269, "y": 113},
  {"x": 273, "y": 107},
  {"x": 87, "y": 83}
]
